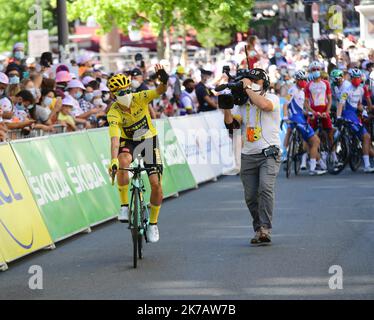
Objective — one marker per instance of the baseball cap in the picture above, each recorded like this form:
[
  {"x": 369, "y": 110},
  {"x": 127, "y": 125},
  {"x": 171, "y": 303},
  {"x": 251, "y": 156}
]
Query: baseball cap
[
  {"x": 206, "y": 72},
  {"x": 136, "y": 72},
  {"x": 180, "y": 70}
]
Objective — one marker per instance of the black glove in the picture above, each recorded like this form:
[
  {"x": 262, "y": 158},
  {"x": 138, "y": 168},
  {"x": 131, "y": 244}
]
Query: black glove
[{"x": 163, "y": 76}]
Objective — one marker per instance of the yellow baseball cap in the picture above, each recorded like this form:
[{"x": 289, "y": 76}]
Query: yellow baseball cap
[{"x": 180, "y": 70}]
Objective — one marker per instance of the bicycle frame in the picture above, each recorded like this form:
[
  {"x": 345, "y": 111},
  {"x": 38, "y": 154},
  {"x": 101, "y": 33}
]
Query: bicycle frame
[{"x": 138, "y": 183}]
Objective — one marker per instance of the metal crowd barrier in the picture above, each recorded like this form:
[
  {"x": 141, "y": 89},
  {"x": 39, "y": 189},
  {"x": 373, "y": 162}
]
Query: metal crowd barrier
[{"x": 17, "y": 134}]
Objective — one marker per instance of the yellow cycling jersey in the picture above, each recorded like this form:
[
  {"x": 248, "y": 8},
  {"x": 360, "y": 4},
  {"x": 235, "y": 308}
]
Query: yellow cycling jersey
[{"x": 136, "y": 124}]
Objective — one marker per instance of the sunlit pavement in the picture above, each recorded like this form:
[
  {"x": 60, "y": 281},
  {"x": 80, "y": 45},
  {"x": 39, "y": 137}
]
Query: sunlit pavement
[{"x": 204, "y": 251}]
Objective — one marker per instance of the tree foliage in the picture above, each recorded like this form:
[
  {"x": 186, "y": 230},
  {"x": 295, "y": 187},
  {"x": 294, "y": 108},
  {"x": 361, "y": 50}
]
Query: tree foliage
[
  {"x": 214, "y": 20},
  {"x": 15, "y": 16}
]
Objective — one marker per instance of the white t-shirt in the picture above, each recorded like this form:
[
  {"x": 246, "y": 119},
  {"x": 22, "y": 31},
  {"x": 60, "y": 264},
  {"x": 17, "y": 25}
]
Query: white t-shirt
[{"x": 269, "y": 123}]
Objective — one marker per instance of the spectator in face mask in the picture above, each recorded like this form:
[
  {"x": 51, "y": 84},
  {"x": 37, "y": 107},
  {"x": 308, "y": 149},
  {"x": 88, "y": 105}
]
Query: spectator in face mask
[
  {"x": 28, "y": 85},
  {"x": 37, "y": 113},
  {"x": 252, "y": 54},
  {"x": 18, "y": 53},
  {"x": 46, "y": 61},
  {"x": 5, "y": 103},
  {"x": 278, "y": 58},
  {"x": 84, "y": 63},
  {"x": 188, "y": 105},
  {"x": 51, "y": 104},
  {"x": 62, "y": 80},
  {"x": 205, "y": 96},
  {"x": 13, "y": 71},
  {"x": 137, "y": 80},
  {"x": 3, "y": 127}
]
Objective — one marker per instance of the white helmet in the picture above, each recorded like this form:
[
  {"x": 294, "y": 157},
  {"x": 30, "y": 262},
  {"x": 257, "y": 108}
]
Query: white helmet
[{"x": 315, "y": 65}]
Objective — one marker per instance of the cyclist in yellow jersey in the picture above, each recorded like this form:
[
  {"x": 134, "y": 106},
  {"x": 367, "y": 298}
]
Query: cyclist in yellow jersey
[{"x": 132, "y": 133}]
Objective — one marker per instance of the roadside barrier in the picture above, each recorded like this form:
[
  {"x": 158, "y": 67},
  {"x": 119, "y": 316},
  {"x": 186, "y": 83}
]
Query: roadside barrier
[{"x": 56, "y": 186}]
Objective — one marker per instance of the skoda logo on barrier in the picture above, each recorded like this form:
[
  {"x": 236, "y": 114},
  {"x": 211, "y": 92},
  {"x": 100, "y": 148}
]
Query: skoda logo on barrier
[{"x": 13, "y": 196}]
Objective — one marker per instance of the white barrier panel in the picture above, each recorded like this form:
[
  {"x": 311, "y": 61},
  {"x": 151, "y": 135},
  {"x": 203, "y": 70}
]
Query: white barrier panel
[
  {"x": 192, "y": 134},
  {"x": 222, "y": 143}
]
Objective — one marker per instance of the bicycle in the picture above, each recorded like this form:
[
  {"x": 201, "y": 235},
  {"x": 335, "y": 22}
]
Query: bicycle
[
  {"x": 295, "y": 150},
  {"x": 348, "y": 150},
  {"x": 138, "y": 209},
  {"x": 325, "y": 147}
]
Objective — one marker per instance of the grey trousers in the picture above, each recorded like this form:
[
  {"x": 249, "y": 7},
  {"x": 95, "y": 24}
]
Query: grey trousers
[{"x": 258, "y": 175}]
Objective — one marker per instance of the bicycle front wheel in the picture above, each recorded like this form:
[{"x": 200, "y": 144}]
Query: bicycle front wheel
[
  {"x": 355, "y": 158},
  {"x": 341, "y": 147},
  {"x": 135, "y": 226},
  {"x": 290, "y": 154},
  {"x": 298, "y": 153}
]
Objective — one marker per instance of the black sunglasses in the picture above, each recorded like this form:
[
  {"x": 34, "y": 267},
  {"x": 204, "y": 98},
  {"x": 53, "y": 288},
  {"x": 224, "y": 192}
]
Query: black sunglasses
[{"x": 121, "y": 93}]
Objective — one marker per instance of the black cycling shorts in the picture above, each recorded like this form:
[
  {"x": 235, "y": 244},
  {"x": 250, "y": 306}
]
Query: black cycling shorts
[{"x": 148, "y": 149}]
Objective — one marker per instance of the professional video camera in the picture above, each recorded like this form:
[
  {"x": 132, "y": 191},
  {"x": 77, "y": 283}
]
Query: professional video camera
[{"x": 238, "y": 95}]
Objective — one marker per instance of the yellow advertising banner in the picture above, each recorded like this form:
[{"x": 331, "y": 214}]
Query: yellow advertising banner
[
  {"x": 3, "y": 265},
  {"x": 22, "y": 229}
]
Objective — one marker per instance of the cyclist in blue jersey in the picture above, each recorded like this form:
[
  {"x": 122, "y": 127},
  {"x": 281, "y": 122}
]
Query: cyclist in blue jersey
[
  {"x": 349, "y": 105},
  {"x": 294, "y": 111}
]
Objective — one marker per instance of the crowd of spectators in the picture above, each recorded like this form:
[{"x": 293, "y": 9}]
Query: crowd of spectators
[{"x": 40, "y": 96}]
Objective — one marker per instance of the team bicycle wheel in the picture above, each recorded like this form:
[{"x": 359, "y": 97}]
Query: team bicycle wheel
[
  {"x": 289, "y": 157},
  {"x": 135, "y": 225},
  {"x": 355, "y": 158},
  {"x": 341, "y": 147},
  {"x": 298, "y": 152},
  {"x": 141, "y": 234}
]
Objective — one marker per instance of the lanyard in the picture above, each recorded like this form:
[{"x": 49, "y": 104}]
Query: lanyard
[{"x": 257, "y": 121}]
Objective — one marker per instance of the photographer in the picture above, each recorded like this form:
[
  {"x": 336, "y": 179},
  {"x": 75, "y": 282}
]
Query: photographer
[{"x": 257, "y": 112}]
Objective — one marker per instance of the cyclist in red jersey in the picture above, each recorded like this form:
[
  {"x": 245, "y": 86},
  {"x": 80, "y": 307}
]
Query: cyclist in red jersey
[{"x": 318, "y": 99}]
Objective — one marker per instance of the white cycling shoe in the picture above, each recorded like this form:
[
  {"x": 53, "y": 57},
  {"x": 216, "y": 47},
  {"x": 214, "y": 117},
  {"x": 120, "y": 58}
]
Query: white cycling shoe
[
  {"x": 124, "y": 215},
  {"x": 368, "y": 170},
  {"x": 317, "y": 172},
  {"x": 153, "y": 234}
]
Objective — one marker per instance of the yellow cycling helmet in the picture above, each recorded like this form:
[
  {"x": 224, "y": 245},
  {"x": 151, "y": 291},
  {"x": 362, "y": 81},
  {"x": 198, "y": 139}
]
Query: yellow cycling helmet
[{"x": 118, "y": 82}]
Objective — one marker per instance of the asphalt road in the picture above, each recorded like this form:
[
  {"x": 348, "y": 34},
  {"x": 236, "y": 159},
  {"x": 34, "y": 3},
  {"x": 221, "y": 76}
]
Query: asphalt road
[{"x": 204, "y": 251}]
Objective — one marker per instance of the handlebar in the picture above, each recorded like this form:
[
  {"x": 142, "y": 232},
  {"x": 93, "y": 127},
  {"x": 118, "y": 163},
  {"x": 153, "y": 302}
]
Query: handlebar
[
  {"x": 287, "y": 121},
  {"x": 138, "y": 169}
]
